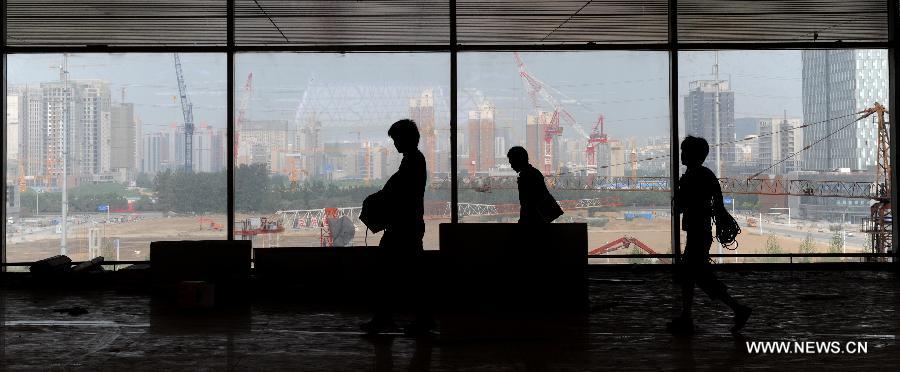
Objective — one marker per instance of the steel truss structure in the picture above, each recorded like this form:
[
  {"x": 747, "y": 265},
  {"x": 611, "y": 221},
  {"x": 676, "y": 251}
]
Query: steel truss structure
[
  {"x": 759, "y": 186},
  {"x": 298, "y": 219}
]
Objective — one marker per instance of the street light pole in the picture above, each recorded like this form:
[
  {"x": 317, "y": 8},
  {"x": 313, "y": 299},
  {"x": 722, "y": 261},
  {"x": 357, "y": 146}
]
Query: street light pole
[{"x": 760, "y": 224}]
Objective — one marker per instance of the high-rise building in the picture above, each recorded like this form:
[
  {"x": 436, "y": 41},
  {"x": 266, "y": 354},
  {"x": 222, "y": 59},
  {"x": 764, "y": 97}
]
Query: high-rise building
[
  {"x": 313, "y": 160},
  {"x": 218, "y": 147},
  {"x": 653, "y": 157},
  {"x": 154, "y": 150},
  {"x": 700, "y": 120},
  {"x": 267, "y": 142},
  {"x": 603, "y": 156},
  {"x": 122, "y": 138},
  {"x": 778, "y": 140},
  {"x": 34, "y": 138},
  {"x": 502, "y": 142},
  {"x": 617, "y": 159},
  {"x": 481, "y": 137},
  {"x": 65, "y": 119},
  {"x": 209, "y": 149},
  {"x": 342, "y": 160},
  {"x": 837, "y": 84},
  {"x": 748, "y": 150},
  {"x": 421, "y": 111},
  {"x": 13, "y": 126},
  {"x": 535, "y": 144}
]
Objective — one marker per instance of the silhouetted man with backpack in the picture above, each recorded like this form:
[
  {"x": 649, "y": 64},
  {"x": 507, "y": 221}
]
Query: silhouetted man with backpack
[
  {"x": 536, "y": 203},
  {"x": 399, "y": 208},
  {"x": 699, "y": 200}
]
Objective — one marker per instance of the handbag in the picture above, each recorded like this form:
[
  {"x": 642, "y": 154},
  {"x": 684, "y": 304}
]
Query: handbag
[
  {"x": 375, "y": 212},
  {"x": 549, "y": 208}
]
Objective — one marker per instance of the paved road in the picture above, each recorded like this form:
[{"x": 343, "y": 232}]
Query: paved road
[{"x": 794, "y": 232}]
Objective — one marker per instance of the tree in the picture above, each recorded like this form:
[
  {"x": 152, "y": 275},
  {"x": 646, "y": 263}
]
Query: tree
[
  {"x": 807, "y": 246},
  {"x": 773, "y": 247},
  {"x": 143, "y": 180},
  {"x": 837, "y": 243},
  {"x": 251, "y": 184}
]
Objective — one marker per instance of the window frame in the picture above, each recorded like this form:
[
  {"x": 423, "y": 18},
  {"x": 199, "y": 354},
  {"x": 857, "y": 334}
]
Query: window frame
[{"x": 673, "y": 46}]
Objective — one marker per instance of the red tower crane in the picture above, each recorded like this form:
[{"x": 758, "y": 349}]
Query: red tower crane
[
  {"x": 597, "y": 137},
  {"x": 552, "y": 127}
]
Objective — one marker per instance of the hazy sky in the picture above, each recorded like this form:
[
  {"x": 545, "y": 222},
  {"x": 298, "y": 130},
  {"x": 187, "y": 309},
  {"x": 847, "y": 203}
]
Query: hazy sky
[{"x": 364, "y": 91}]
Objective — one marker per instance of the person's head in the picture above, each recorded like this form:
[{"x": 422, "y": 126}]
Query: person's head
[
  {"x": 694, "y": 151},
  {"x": 405, "y": 135},
  {"x": 518, "y": 158}
]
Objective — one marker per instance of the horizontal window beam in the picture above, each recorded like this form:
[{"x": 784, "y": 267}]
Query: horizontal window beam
[{"x": 440, "y": 48}]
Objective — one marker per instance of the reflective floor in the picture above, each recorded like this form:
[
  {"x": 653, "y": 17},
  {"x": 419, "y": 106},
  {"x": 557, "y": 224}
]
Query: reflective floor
[{"x": 624, "y": 331}]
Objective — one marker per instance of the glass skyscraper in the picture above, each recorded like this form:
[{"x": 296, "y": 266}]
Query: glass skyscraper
[{"x": 837, "y": 84}]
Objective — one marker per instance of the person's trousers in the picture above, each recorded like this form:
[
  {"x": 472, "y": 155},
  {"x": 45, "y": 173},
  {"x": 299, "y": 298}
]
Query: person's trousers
[
  {"x": 401, "y": 278},
  {"x": 696, "y": 268}
]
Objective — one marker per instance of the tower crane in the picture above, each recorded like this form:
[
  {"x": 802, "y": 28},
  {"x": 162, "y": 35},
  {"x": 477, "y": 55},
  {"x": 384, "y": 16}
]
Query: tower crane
[
  {"x": 879, "y": 224},
  {"x": 242, "y": 112},
  {"x": 187, "y": 109},
  {"x": 597, "y": 137},
  {"x": 537, "y": 89}
]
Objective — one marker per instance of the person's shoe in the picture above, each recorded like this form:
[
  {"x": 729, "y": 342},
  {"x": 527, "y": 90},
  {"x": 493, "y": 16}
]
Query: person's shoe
[
  {"x": 419, "y": 328},
  {"x": 374, "y": 327},
  {"x": 741, "y": 315},
  {"x": 681, "y": 326}
]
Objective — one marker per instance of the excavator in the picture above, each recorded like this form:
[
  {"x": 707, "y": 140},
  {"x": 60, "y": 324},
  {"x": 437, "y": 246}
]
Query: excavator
[{"x": 209, "y": 224}]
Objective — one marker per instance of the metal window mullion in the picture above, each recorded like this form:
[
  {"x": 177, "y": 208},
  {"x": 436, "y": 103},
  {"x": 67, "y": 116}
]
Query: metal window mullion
[
  {"x": 454, "y": 49},
  {"x": 4, "y": 245},
  {"x": 229, "y": 146},
  {"x": 232, "y": 47},
  {"x": 673, "y": 128},
  {"x": 892, "y": 8},
  {"x": 3, "y": 229}
]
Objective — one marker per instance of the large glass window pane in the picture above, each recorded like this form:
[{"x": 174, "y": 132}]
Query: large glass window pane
[
  {"x": 797, "y": 168},
  {"x": 311, "y": 141},
  {"x": 596, "y": 124},
  {"x": 101, "y": 139}
]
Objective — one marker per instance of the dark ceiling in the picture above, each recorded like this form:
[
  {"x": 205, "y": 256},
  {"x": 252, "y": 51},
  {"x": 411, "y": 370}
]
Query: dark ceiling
[{"x": 427, "y": 22}]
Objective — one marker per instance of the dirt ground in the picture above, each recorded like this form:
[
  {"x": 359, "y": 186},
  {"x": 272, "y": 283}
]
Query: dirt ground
[{"x": 134, "y": 237}]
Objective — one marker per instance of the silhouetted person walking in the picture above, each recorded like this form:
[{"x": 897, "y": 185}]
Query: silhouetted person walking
[
  {"x": 699, "y": 200},
  {"x": 400, "y": 252},
  {"x": 536, "y": 203}
]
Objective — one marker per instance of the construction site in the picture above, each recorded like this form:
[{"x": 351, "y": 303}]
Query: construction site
[
  {"x": 609, "y": 169},
  {"x": 196, "y": 185}
]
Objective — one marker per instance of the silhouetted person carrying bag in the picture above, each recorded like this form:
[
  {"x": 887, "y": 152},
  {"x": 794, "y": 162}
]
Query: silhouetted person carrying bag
[
  {"x": 399, "y": 210},
  {"x": 699, "y": 200},
  {"x": 537, "y": 205}
]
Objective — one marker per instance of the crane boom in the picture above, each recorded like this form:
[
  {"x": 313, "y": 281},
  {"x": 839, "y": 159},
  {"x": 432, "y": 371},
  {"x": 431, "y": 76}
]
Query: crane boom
[
  {"x": 242, "y": 113},
  {"x": 187, "y": 109},
  {"x": 539, "y": 89}
]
